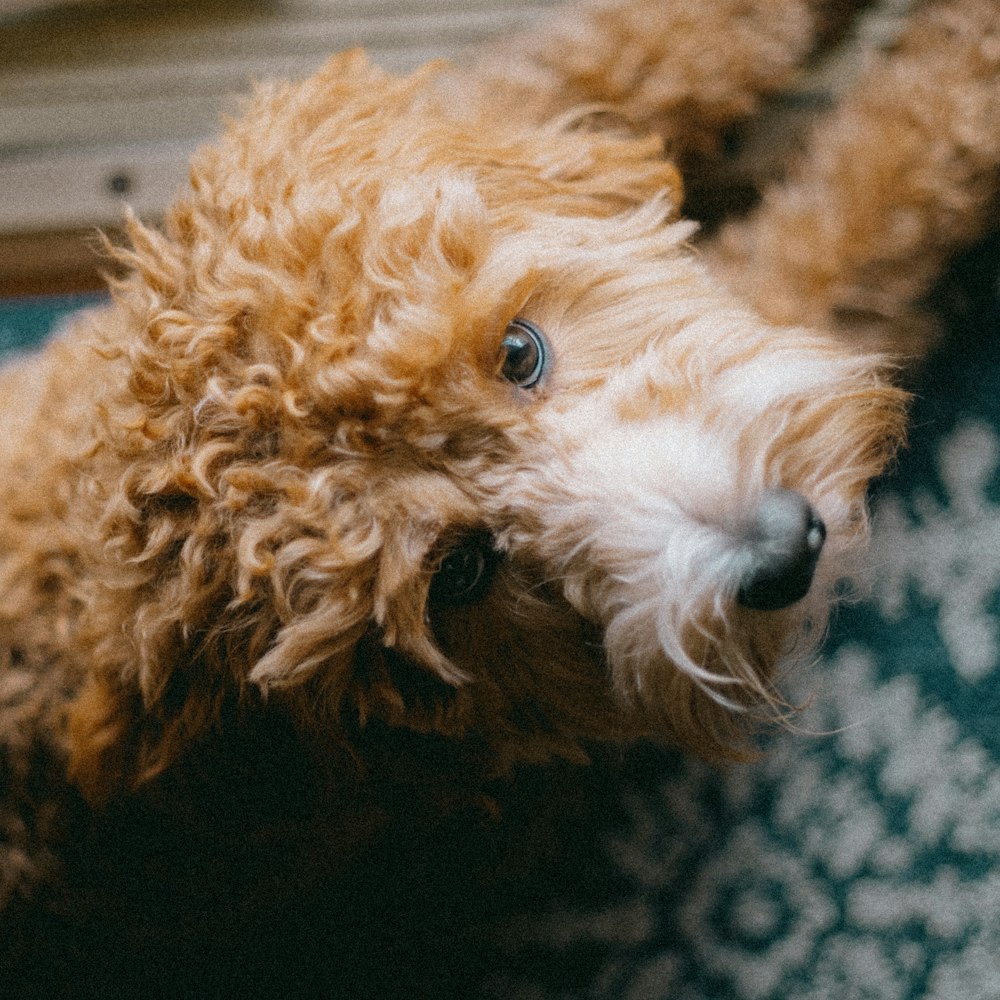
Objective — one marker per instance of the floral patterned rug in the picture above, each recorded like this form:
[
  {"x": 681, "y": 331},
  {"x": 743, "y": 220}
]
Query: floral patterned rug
[{"x": 860, "y": 858}]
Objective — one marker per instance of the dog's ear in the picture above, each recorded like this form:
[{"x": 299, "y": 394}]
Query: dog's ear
[
  {"x": 182, "y": 653},
  {"x": 154, "y": 689},
  {"x": 148, "y": 704}
]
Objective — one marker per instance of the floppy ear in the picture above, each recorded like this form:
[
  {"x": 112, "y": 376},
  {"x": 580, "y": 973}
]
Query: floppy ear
[
  {"x": 210, "y": 578},
  {"x": 175, "y": 654},
  {"x": 161, "y": 673},
  {"x": 163, "y": 685}
]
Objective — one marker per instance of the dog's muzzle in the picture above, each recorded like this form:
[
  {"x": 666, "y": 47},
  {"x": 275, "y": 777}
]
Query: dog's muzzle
[{"x": 784, "y": 541}]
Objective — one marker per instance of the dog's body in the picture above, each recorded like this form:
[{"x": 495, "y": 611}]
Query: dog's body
[{"x": 423, "y": 426}]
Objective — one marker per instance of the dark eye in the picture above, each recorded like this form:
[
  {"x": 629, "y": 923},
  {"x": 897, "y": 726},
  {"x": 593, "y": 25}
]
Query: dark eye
[
  {"x": 523, "y": 354},
  {"x": 466, "y": 572}
]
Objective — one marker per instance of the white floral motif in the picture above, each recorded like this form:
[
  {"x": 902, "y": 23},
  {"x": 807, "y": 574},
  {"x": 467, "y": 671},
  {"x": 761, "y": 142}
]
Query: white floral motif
[
  {"x": 756, "y": 912},
  {"x": 952, "y": 554},
  {"x": 840, "y": 869}
]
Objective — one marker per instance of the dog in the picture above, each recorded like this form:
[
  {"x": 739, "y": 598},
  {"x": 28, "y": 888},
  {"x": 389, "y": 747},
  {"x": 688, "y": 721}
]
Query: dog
[{"x": 425, "y": 440}]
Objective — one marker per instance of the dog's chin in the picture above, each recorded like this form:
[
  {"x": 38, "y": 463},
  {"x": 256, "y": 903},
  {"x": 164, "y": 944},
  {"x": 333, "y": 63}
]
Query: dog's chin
[{"x": 711, "y": 681}]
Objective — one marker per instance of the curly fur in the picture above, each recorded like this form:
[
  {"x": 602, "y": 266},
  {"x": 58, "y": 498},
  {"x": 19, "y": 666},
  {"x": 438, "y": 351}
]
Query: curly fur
[{"x": 225, "y": 496}]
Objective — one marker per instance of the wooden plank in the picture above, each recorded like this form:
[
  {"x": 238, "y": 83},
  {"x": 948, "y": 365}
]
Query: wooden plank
[
  {"x": 22, "y": 8},
  {"x": 90, "y": 188},
  {"x": 117, "y": 39},
  {"x": 51, "y": 263},
  {"x": 153, "y": 60}
]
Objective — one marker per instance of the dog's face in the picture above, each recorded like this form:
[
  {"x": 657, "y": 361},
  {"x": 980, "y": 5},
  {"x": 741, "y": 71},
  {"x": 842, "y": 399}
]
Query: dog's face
[{"x": 452, "y": 429}]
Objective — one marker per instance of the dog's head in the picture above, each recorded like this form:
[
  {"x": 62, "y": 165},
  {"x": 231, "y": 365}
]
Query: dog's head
[{"x": 446, "y": 425}]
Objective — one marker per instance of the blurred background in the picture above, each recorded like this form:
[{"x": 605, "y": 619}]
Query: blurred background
[{"x": 102, "y": 102}]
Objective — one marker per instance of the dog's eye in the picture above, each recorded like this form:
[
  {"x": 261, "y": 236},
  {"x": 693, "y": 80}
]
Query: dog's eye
[
  {"x": 466, "y": 572},
  {"x": 523, "y": 354}
]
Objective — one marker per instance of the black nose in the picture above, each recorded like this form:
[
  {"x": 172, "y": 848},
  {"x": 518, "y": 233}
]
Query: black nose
[{"x": 785, "y": 540}]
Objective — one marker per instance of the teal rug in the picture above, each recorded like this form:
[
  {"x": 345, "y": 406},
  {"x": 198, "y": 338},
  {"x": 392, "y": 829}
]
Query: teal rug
[
  {"x": 25, "y": 323},
  {"x": 858, "y": 860}
]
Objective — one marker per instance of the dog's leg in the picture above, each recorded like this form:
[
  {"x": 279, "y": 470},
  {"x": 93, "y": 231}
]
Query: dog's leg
[
  {"x": 904, "y": 174},
  {"x": 685, "y": 70}
]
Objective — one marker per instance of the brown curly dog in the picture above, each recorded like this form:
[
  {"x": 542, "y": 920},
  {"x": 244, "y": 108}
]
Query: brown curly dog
[{"x": 422, "y": 413}]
